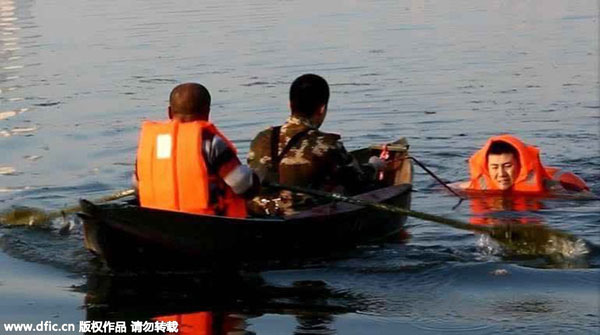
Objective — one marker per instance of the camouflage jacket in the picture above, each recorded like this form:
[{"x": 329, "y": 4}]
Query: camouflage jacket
[{"x": 311, "y": 158}]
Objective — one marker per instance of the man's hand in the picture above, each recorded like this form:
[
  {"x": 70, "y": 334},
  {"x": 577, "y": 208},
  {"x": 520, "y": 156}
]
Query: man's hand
[{"x": 377, "y": 163}]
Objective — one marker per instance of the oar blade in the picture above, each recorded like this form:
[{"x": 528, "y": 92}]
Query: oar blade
[
  {"x": 29, "y": 216},
  {"x": 24, "y": 216},
  {"x": 538, "y": 241}
]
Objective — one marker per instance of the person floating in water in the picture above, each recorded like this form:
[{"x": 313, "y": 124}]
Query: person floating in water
[
  {"x": 186, "y": 164},
  {"x": 507, "y": 164}
]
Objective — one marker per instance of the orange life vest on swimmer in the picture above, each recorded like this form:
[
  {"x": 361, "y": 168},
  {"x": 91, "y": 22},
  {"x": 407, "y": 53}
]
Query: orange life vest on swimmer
[
  {"x": 568, "y": 180},
  {"x": 172, "y": 172},
  {"x": 533, "y": 176}
]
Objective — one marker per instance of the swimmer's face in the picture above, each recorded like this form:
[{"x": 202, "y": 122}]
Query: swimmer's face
[{"x": 503, "y": 169}]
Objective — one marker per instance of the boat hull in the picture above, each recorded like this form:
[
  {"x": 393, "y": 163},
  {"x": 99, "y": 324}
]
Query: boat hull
[{"x": 128, "y": 236}]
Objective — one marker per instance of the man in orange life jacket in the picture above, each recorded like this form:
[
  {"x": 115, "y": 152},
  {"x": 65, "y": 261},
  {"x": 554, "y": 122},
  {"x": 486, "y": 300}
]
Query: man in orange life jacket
[
  {"x": 186, "y": 164},
  {"x": 505, "y": 163}
]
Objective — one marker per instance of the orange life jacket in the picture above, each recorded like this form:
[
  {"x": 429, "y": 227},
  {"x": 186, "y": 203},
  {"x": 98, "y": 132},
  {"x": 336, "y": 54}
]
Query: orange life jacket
[
  {"x": 568, "y": 180},
  {"x": 532, "y": 177},
  {"x": 172, "y": 172}
]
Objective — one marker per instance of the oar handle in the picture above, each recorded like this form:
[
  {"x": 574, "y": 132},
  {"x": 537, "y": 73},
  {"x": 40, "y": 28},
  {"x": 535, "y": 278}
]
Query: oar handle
[
  {"x": 389, "y": 208},
  {"x": 117, "y": 195},
  {"x": 72, "y": 209},
  {"x": 539, "y": 240},
  {"x": 107, "y": 198}
]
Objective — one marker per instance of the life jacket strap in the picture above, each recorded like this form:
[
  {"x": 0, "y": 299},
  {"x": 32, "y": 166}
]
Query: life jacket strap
[{"x": 277, "y": 156}]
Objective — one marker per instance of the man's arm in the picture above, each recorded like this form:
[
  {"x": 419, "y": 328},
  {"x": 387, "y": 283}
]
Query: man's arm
[
  {"x": 223, "y": 161},
  {"x": 349, "y": 173},
  {"x": 258, "y": 159},
  {"x": 135, "y": 180},
  {"x": 460, "y": 185}
]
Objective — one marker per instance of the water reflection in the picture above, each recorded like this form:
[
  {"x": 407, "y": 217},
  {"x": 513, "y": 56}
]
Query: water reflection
[
  {"x": 13, "y": 16},
  {"x": 206, "y": 323},
  {"x": 435, "y": 72},
  {"x": 500, "y": 209},
  {"x": 9, "y": 41},
  {"x": 215, "y": 303}
]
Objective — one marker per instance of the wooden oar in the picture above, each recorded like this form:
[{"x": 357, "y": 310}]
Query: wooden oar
[
  {"x": 517, "y": 238},
  {"x": 28, "y": 216}
]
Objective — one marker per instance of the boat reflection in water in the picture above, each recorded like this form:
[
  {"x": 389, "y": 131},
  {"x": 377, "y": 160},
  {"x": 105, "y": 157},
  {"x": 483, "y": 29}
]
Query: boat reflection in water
[{"x": 214, "y": 303}]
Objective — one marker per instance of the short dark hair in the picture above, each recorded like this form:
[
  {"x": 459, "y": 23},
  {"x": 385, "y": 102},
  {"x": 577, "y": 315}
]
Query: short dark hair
[
  {"x": 501, "y": 147},
  {"x": 190, "y": 99},
  {"x": 307, "y": 93}
]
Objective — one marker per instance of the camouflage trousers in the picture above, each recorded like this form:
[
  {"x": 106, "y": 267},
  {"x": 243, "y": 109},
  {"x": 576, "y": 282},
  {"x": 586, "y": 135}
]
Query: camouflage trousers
[{"x": 283, "y": 203}]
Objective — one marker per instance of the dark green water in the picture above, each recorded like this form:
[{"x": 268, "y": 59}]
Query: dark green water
[{"x": 77, "y": 78}]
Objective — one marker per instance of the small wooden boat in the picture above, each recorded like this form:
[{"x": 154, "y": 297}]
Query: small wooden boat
[{"x": 125, "y": 235}]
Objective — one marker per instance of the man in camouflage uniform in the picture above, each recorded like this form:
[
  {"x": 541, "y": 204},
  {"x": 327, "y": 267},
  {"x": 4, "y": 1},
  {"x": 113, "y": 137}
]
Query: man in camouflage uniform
[{"x": 299, "y": 154}]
